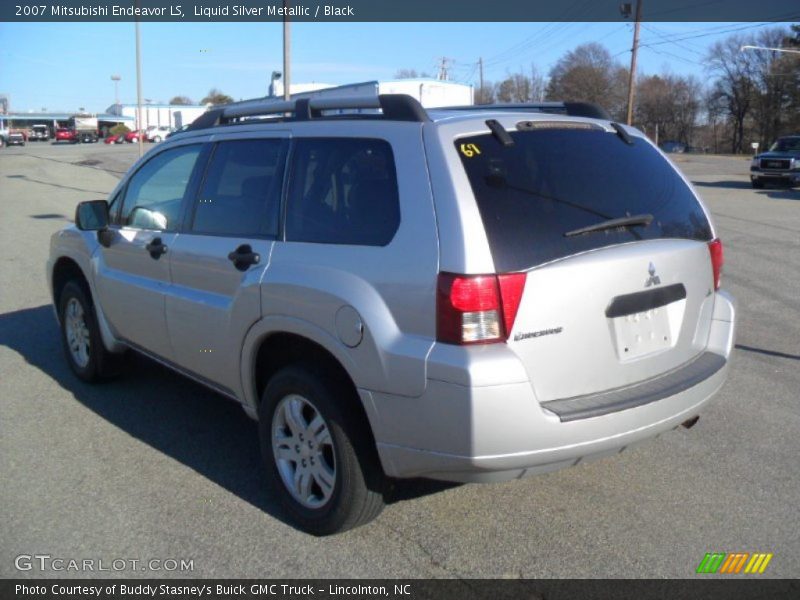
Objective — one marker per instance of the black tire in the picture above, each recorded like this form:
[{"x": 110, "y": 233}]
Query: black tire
[
  {"x": 357, "y": 495},
  {"x": 101, "y": 364},
  {"x": 757, "y": 184}
]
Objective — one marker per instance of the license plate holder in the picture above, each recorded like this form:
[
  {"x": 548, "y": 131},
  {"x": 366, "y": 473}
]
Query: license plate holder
[{"x": 639, "y": 334}]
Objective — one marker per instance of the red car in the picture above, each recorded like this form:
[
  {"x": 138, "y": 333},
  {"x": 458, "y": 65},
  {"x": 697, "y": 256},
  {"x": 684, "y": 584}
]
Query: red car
[
  {"x": 114, "y": 139},
  {"x": 133, "y": 136},
  {"x": 64, "y": 134}
]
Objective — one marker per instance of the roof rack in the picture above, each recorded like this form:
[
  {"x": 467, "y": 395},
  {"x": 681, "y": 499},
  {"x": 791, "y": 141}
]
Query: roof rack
[
  {"x": 571, "y": 109},
  {"x": 394, "y": 107}
]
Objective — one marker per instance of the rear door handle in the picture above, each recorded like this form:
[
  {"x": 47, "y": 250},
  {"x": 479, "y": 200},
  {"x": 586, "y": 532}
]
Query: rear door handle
[
  {"x": 243, "y": 257},
  {"x": 156, "y": 248}
]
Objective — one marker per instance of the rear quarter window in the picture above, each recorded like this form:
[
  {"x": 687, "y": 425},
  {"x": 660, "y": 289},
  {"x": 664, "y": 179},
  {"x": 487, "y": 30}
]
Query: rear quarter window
[
  {"x": 556, "y": 180},
  {"x": 342, "y": 191}
]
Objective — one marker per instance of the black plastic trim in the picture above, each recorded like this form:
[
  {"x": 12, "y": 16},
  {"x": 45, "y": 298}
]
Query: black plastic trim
[
  {"x": 674, "y": 382},
  {"x": 402, "y": 107},
  {"x": 630, "y": 304}
]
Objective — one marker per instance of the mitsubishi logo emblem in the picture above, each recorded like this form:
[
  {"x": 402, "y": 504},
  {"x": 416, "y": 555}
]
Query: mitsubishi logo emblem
[{"x": 653, "y": 279}]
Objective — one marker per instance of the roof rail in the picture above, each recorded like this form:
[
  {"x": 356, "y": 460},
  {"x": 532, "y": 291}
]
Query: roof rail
[
  {"x": 394, "y": 107},
  {"x": 571, "y": 109}
]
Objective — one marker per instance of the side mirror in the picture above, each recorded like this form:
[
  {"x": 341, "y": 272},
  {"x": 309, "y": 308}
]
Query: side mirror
[{"x": 93, "y": 216}]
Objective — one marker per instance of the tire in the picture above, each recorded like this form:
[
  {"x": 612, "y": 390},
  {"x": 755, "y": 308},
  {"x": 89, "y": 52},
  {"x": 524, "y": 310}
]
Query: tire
[
  {"x": 757, "y": 184},
  {"x": 77, "y": 316},
  {"x": 157, "y": 139},
  {"x": 344, "y": 481}
]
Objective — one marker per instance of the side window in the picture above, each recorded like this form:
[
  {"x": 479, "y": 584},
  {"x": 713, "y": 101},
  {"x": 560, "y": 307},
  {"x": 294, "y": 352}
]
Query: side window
[
  {"x": 154, "y": 194},
  {"x": 241, "y": 194},
  {"x": 343, "y": 191}
]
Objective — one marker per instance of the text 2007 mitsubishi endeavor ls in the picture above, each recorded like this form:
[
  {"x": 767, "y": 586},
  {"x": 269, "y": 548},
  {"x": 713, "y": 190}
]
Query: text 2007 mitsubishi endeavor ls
[{"x": 470, "y": 295}]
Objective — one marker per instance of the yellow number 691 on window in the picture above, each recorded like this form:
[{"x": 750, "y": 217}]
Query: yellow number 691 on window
[{"x": 469, "y": 150}]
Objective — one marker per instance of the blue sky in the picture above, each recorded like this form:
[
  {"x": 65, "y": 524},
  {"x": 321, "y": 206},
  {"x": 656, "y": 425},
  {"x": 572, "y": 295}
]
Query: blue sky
[{"x": 65, "y": 66}]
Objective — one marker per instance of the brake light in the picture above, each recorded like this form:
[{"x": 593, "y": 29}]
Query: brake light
[
  {"x": 477, "y": 309},
  {"x": 717, "y": 260}
]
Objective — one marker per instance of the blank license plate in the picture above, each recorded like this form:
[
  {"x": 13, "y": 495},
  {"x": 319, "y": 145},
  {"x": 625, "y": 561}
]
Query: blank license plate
[{"x": 642, "y": 333}]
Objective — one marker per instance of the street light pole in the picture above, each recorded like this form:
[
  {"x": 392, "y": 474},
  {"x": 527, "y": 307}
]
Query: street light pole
[
  {"x": 786, "y": 50},
  {"x": 139, "y": 91},
  {"x": 115, "y": 79},
  {"x": 287, "y": 69}
]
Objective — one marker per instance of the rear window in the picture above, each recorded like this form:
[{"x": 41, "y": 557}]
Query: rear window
[{"x": 556, "y": 180}]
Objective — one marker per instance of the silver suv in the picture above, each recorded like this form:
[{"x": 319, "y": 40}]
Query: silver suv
[{"x": 472, "y": 295}]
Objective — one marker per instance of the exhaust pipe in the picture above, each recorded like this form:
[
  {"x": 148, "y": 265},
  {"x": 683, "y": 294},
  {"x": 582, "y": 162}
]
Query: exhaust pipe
[{"x": 689, "y": 423}]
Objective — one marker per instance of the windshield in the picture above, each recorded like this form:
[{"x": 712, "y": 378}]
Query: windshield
[
  {"x": 788, "y": 144},
  {"x": 557, "y": 180}
]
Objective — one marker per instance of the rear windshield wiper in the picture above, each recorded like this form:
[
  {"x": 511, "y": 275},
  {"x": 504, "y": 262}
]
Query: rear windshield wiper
[{"x": 644, "y": 220}]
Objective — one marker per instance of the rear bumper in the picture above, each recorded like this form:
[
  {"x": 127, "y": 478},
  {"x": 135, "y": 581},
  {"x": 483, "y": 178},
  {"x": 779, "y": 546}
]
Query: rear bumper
[{"x": 482, "y": 433}]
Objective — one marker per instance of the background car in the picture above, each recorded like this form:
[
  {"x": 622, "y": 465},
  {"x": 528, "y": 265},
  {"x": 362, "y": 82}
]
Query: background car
[
  {"x": 157, "y": 134},
  {"x": 779, "y": 165},
  {"x": 114, "y": 139},
  {"x": 15, "y": 138},
  {"x": 64, "y": 134},
  {"x": 39, "y": 133},
  {"x": 133, "y": 136}
]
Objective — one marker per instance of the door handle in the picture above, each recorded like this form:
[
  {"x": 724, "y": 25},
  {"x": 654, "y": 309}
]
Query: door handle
[
  {"x": 156, "y": 248},
  {"x": 243, "y": 257}
]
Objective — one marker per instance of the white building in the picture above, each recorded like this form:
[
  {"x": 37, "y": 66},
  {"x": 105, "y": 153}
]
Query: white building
[
  {"x": 431, "y": 93},
  {"x": 170, "y": 115},
  {"x": 276, "y": 88}
]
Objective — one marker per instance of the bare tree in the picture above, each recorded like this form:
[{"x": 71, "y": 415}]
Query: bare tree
[
  {"x": 734, "y": 86},
  {"x": 590, "y": 74},
  {"x": 519, "y": 87},
  {"x": 485, "y": 94},
  {"x": 775, "y": 76},
  {"x": 216, "y": 98},
  {"x": 181, "y": 101}
]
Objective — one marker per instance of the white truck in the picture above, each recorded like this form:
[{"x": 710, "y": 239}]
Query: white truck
[{"x": 85, "y": 127}]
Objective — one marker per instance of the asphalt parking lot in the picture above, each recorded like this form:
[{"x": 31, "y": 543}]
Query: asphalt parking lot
[{"x": 154, "y": 466}]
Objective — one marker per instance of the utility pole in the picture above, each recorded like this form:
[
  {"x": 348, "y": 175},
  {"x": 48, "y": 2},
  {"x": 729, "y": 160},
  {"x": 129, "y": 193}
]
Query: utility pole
[
  {"x": 287, "y": 49},
  {"x": 480, "y": 78},
  {"x": 139, "y": 90},
  {"x": 443, "y": 69},
  {"x": 632, "y": 74}
]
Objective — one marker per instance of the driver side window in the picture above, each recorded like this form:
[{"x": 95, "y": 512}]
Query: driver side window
[{"x": 155, "y": 192}]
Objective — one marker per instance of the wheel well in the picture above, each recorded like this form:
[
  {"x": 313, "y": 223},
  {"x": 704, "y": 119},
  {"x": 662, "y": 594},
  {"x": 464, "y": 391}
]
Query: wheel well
[
  {"x": 283, "y": 349},
  {"x": 66, "y": 270}
]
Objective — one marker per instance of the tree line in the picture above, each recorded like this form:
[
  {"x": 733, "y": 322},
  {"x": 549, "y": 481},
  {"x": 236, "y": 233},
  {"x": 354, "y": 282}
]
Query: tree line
[{"x": 748, "y": 96}]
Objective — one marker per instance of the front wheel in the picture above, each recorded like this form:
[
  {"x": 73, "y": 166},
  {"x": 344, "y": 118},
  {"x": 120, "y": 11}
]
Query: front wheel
[
  {"x": 80, "y": 336},
  {"x": 318, "y": 453},
  {"x": 757, "y": 184}
]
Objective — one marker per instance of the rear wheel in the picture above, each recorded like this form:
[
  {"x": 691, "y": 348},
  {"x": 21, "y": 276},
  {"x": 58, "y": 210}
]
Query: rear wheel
[
  {"x": 80, "y": 336},
  {"x": 318, "y": 456}
]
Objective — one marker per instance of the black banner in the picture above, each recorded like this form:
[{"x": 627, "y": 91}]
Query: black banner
[
  {"x": 394, "y": 10},
  {"x": 739, "y": 588}
]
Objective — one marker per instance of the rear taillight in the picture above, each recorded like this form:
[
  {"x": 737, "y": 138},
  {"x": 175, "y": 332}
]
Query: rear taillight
[
  {"x": 715, "y": 249},
  {"x": 477, "y": 309}
]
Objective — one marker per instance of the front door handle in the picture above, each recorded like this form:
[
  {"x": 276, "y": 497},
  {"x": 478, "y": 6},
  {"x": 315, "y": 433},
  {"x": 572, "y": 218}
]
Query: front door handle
[
  {"x": 156, "y": 248},
  {"x": 243, "y": 257}
]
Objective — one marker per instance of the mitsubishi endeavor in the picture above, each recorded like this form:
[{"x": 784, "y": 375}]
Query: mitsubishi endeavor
[{"x": 473, "y": 294}]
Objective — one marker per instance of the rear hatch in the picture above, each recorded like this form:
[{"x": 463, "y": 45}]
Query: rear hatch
[{"x": 600, "y": 309}]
